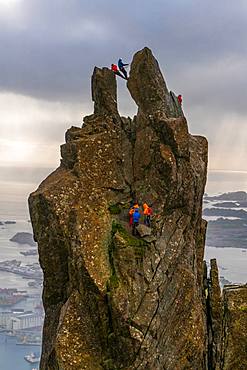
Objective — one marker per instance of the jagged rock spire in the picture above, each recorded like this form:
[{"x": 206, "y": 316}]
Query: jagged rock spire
[
  {"x": 114, "y": 301},
  {"x": 148, "y": 88},
  {"x": 104, "y": 92}
]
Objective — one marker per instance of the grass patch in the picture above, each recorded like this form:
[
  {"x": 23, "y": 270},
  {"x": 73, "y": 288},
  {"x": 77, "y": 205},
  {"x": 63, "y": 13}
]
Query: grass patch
[
  {"x": 114, "y": 209},
  {"x": 139, "y": 245},
  {"x": 109, "y": 365}
]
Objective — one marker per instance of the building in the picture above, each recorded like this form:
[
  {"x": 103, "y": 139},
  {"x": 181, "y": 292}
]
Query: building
[{"x": 26, "y": 320}]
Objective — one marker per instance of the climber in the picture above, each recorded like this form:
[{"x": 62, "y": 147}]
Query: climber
[
  {"x": 133, "y": 206},
  {"x": 121, "y": 66},
  {"x": 136, "y": 219},
  {"x": 147, "y": 211},
  {"x": 114, "y": 68},
  {"x": 180, "y": 99}
]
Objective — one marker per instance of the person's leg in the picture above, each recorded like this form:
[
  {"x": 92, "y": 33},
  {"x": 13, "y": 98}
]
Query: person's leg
[
  {"x": 120, "y": 75},
  {"x": 135, "y": 224},
  {"x": 133, "y": 228},
  {"x": 148, "y": 221},
  {"x": 123, "y": 70}
]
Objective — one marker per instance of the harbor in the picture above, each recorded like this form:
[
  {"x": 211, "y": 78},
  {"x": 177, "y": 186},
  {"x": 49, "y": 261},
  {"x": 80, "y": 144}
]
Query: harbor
[
  {"x": 13, "y": 356},
  {"x": 30, "y": 271},
  {"x": 10, "y": 297}
]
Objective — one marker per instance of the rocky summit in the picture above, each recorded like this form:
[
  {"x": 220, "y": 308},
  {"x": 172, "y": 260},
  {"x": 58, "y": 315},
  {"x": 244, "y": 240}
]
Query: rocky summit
[{"x": 117, "y": 301}]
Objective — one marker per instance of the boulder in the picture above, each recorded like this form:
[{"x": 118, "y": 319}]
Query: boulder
[{"x": 143, "y": 230}]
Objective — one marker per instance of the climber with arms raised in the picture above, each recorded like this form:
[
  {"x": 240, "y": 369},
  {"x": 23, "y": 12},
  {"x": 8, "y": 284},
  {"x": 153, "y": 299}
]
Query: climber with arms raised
[
  {"x": 114, "y": 68},
  {"x": 121, "y": 66}
]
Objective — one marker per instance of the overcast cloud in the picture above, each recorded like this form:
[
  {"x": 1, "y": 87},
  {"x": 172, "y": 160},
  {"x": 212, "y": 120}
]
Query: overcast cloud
[{"x": 49, "y": 48}]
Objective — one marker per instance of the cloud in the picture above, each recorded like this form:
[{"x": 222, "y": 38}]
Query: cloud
[
  {"x": 54, "y": 46},
  {"x": 49, "y": 48},
  {"x": 31, "y": 130}
]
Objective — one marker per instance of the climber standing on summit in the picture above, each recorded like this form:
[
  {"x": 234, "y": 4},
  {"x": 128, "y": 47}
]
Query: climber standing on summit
[{"x": 121, "y": 66}]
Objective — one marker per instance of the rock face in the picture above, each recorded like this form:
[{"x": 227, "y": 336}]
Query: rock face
[
  {"x": 227, "y": 324},
  {"x": 214, "y": 316},
  {"x": 234, "y": 335},
  {"x": 112, "y": 300}
]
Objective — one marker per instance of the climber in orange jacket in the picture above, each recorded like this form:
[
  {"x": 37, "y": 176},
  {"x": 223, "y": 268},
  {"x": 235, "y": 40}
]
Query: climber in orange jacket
[
  {"x": 147, "y": 211},
  {"x": 114, "y": 68}
]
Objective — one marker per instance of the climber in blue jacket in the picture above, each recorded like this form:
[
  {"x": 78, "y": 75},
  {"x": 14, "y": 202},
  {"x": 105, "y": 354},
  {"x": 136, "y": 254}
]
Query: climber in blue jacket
[
  {"x": 136, "y": 219},
  {"x": 121, "y": 66}
]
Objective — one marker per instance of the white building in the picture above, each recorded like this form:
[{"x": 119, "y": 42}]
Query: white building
[{"x": 26, "y": 321}]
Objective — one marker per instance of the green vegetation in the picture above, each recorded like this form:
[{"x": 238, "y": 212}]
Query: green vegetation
[
  {"x": 139, "y": 245},
  {"x": 243, "y": 308},
  {"x": 114, "y": 209},
  {"x": 109, "y": 365}
]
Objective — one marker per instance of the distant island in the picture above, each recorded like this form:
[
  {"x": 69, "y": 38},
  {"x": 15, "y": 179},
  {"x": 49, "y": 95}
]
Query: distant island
[
  {"x": 23, "y": 238},
  {"x": 241, "y": 214},
  {"x": 227, "y": 220},
  {"x": 233, "y": 196},
  {"x": 7, "y": 222}
]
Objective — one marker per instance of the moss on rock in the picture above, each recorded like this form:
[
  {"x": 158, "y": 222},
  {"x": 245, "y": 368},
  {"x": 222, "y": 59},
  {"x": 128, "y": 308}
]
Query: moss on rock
[
  {"x": 114, "y": 209},
  {"x": 138, "y": 244}
]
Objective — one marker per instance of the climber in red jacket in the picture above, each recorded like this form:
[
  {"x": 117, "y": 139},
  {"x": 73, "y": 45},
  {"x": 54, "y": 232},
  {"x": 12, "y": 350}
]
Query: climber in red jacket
[
  {"x": 114, "y": 68},
  {"x": 180, "y": 99}
]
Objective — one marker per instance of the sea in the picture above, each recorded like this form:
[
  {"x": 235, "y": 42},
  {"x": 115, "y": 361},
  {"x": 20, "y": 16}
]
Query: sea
[{"x": 14, "y": 193}]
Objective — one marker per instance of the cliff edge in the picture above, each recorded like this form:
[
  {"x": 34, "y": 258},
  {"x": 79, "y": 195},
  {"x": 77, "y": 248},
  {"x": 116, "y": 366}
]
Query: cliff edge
[{"x": 113, "y": 300}]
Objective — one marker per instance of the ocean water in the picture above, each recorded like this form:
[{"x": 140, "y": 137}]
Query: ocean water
[
  {"x": 226, "y": 181},
  {"x": 232, "y": 263},
  {"x": 13, "y": 200},
  {"x": 12, "y": 355}
]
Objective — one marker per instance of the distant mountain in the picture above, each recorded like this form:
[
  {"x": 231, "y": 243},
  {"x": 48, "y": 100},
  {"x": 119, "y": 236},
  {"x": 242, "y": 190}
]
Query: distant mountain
[
  {"x": 224, "y": 231},
  {"x": 237, "y": 196},
  {"x": 227, "y": 233},
  {"x": 234, "y": 204},
  {"x": 239, "y": 213}
]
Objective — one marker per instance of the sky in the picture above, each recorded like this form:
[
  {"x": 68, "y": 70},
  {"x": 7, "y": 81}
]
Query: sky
[{"x": 49, "y": 49}]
